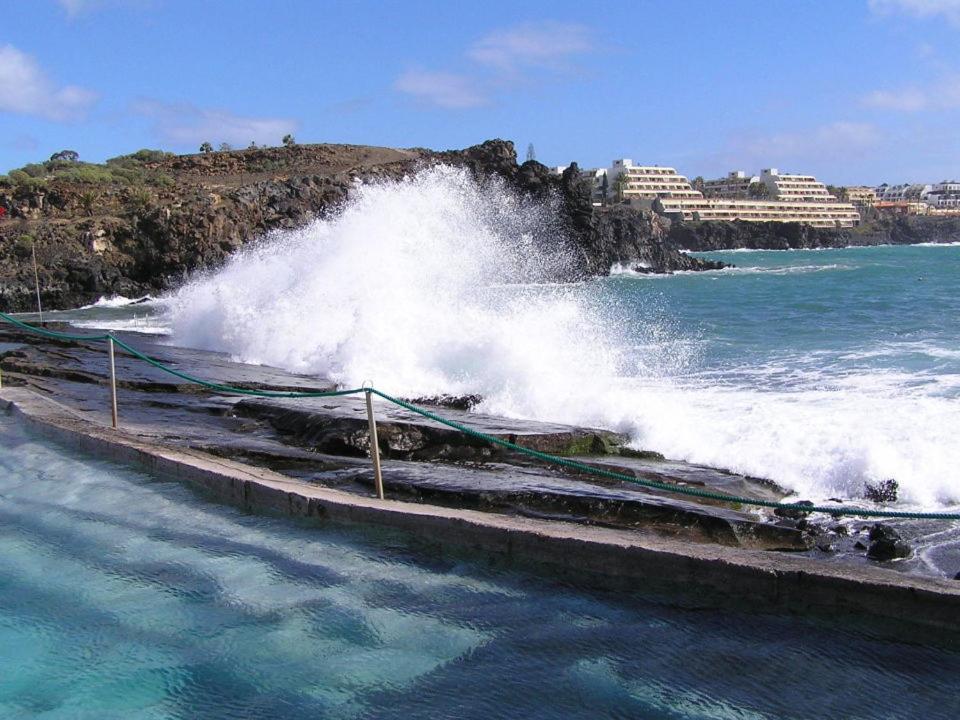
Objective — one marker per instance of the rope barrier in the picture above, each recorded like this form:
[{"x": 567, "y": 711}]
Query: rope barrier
[{"x": 837, "y": 510}]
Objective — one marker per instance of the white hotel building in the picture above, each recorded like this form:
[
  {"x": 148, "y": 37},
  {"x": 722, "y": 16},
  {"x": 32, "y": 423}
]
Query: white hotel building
[
  {"x": 791, "y": 198},
  {"x": 943, "y": 196}
]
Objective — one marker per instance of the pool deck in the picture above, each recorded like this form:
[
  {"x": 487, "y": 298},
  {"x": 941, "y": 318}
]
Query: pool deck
[{"x": 606, "y": 557}]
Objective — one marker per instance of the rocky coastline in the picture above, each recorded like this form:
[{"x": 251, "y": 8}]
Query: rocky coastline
[
  {"x": 185, "y": 214},
  {"x": 876, "y": 230},
  {"x": 158, "y": 218},
  {"x": 325, "y": 442}
]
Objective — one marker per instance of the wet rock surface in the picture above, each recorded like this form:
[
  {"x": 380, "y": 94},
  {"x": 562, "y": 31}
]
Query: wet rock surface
[
  {"x": 340, "y": 424},
  {"x": 886, "y": 543},
  {"x": 325, "y": 441}
]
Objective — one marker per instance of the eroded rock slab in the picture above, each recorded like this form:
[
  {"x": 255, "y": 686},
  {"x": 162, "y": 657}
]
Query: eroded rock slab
[{"x": 339, "y": 425}]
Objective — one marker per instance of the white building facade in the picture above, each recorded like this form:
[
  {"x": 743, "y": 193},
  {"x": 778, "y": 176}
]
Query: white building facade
[{"x": 792, "y": 198}]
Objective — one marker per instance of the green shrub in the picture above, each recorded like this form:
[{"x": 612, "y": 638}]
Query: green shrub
[
  {"x": 35, "y": 170},
  {"x": 128, "y": 175},
  {"x": 86, "y": 173},
  {"x": 22, "y": 180},
  {"x": 23, "y": 247},
  {"x": 140, "y": 157}
]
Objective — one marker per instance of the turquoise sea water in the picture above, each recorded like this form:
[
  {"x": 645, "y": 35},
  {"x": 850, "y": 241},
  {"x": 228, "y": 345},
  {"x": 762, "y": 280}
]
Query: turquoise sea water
[
  {"x": 126, "y": 596},
  {"x": 822, "y": 370}
]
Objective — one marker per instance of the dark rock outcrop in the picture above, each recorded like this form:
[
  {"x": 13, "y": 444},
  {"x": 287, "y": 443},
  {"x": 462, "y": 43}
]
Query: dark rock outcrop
[
  {"x": 635, "y": 240},
  {"x": 886, "y": 544},
  {"x": 882, "y": 492},
  {"x": 904, "y": 230}
]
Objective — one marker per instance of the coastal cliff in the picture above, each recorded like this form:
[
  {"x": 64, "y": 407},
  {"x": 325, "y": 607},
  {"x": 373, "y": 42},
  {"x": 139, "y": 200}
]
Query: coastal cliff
[
  {"x": 877, "y": 230},
  {"x": 142, "y": 223}
]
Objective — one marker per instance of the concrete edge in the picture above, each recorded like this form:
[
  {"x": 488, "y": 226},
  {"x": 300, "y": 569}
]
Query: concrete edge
[{"x": 609, "y": 558}]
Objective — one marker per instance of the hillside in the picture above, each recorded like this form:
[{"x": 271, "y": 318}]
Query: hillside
[{"x": 142, "y": 223}]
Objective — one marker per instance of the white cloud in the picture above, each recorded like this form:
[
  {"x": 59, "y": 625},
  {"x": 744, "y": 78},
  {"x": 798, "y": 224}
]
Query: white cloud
[
  {"x": 25, "y": 89},
  {"x": 76, "y": 8},
  {"x": 941, "y": 95},
  {"x": 537, "y": 45},
  {"x": 446, "y": 90},
  {"x": 948, "y": 9},
  {"x": 185, "y": 124},
  {"x": 909, "y": 99},
  {"x": 833, "y": 141},
  {"x": 500, "y": 61}
]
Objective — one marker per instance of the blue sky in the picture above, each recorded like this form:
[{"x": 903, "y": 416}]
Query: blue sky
[{"x": 856, "y": 91}]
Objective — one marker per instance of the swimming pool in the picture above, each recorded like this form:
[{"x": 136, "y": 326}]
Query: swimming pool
[{"x": 123, "y": 595}]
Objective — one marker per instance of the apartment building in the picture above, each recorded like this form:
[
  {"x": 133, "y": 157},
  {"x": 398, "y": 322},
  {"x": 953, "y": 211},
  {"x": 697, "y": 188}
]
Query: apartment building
[
  {"x": 792, "y": 198},
  {"x": 783, "y": 186},
  {"x": 816, "y": 213},
  {"x": 906, "y": 192},
  {"x": 944, "y": 195},
  {"x": 735, "y": 185},
  {"x": 862, "y": 195},
  {"x": 648, "y": 182}
]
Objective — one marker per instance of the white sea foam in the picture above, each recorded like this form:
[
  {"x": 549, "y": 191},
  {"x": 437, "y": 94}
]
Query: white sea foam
[
  {"x": 149, "y": 325},
  {"x": 436, "y": 285},
  {"x": 117, "y": 301}
]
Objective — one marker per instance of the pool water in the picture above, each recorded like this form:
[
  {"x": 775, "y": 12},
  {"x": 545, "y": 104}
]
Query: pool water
[{"x": 123, "y": 595}]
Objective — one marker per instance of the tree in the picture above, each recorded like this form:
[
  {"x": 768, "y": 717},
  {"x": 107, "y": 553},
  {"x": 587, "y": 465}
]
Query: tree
[
  {"x": 604, "y": 189},
  {"x": 206, "y": 148},
  {"x": 758, "y": 190},
  {"x": 697, "y": 183},
  {"x": 66, "y": 155},
  {"x": 620, "y": 186},
  {"x": 253, "y": 145},
  {"x": 289, "y": 140},
  {"x": 531, "y": 153},
  {"x": 225, "y": 147}
]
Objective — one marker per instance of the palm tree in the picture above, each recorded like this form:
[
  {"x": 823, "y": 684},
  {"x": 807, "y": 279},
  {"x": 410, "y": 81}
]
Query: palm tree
[{"x": 620, "y": 186}]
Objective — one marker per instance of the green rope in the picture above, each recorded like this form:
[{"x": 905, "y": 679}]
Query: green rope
[
  {"x": 545, "y": 457},
  {"x": 230, "y": 388},
  {"x": 50, "y": 333},
  {"x": 680, "y": 490}
]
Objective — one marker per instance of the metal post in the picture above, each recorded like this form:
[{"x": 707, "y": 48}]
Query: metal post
[
  {"x": 36, "y": 281},
  {"x": 113, "y": 385},
  {"x": 374, "y": 447}
]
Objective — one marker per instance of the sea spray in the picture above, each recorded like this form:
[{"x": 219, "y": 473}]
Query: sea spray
[
  {"x": 438, "y": 284},
  {"x": 434, "y": 284}
]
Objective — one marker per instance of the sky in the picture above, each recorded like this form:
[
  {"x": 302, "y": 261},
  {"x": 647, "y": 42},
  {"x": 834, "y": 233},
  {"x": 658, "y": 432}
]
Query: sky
[{"x": 854, "y": 91}]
